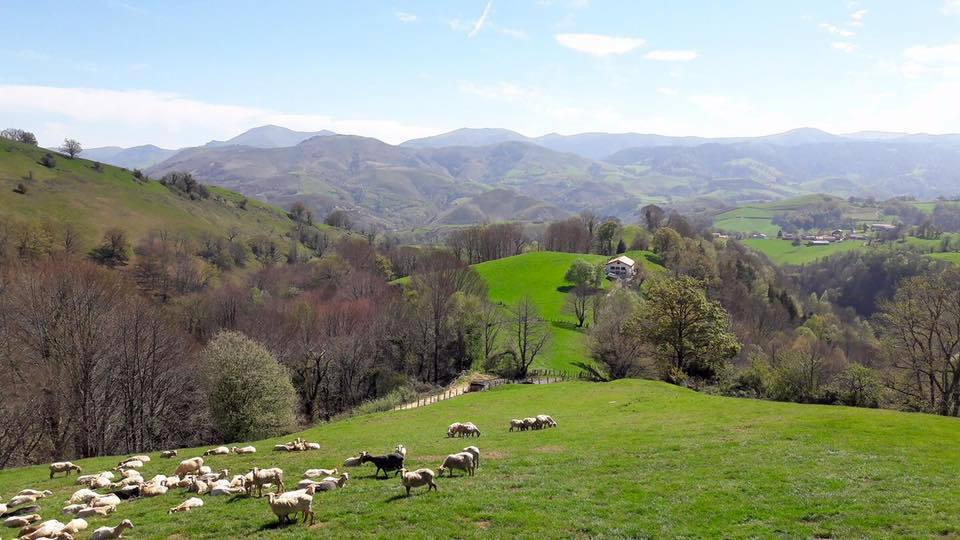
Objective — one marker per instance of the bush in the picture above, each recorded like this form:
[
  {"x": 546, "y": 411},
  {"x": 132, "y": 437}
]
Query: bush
[
  {"x": 857, "y": 386},
  {"x": 138, "y": 174},
  {"x": 113, "y": 251},
  {"x": 250, "y": 393},
  {"x": 97, "y": 166},
  {"x": 21, "y": 189},
  {"x": 48, "y": 161}
]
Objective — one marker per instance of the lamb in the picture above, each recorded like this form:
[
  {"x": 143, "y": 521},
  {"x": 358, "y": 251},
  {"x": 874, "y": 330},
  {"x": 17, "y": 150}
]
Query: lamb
[
  {"x": 292, "y": 503},
  {"x": 417, "y": 478},
  {"x": 265, "y": 476},
  {"x": 75, "y": 526},
  {"x": 473, "y": 450},
  {"x": 63, "y": 467},
  {"x": 317, "y": 473},
  {"x": 546, "y": 421},
  {"x": 187, "y": 505},
  {"x": 244, "y": 450},
  {"x": 168, "y": 454},
  {"x": 387, "y": 463},
  {"x": 354, "y": 461},
  {"x": 189, "y": 466},
  {"x": 108, "y": 533},
  {"x": 517, "y": 424},
  {"x": 218, "y": 451},
  {"x": 462, "y": 461},
  {"x": 99, "y": 511},
  {"x": 21, "y": 521}
]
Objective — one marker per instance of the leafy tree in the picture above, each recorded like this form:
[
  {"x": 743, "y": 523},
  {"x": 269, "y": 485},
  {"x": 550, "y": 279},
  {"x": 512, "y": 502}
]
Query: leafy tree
[
  {"x": 48, "y": 161},
  {"x": 19, "y": 135},
  {"x": 340, "y": 219},
  {"x": 653, "y": 216},
  {"x": 301, "y": 214},
  {"x": 689, "y": 334},
  {"x": 605, "y": 234},
  {"x": 250, "y": 393},
  {"x": 113, "y": 251},
  {"x": 612, "y": 345},
  {"x": 580, "y": 272},
  {"x": 71, "y": 147},
  {"x": 621, "y": 246}
]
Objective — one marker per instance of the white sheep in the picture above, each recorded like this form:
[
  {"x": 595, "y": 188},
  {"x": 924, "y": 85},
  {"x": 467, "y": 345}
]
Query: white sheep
[
  {"x": 469, "y": 430},
  {"x": 34, "y": 492},
  {"x": 130, "y": 464},
  {"x": 99, "y": 482},
  {"x": 168, "y": 454},
  {"x": 187, "y": 505},
  {"x": 171, "y": 481},
  {"x": 462, "y": 461},
  {"x": 454, "y": 429},
  {"x": 108, "y": 533},
  {"x": 546, "y": 421},
  {"x": 205, "y": 469},
  {"x": 197, "y": 486},
  {"x": 292, "y": 503},
  {"x": 218, "y": 451},
  {"x": 83, "y": 496},
  {"x": 354, "y": 461},
  {"x": 316, "y": 473},
  {"x": 96, "y": 511},
  {"x": 75, "y": 526},
  {"x": 21, "y": 500},
  {"x": 141, "y": 459},
  {"x": 311, "y": 446},
  {"x": 261, "y": 477},
  {"x": 151, "y": 489},
  {"x": 224, "y": 487},
  {"x": 47, "y": 529},
  {"x": 72, "y": 508},
  {"x": 476, "y": 454},
  {"x": 417, "y": 478},
  {"x": 3, "y": 509},
  {"x": 401, "y": 449},
  {"x": 104, "y": 500},
  {"x": 63, "y": 467},
  {"x": 330, "y": 483},
  {"x": 130, "y": 473},
  {"x": 189, "y": 466},
  {"x": 21, "y": 521},
  {"x": 244, "y": 450},
  {"x": 517, "y": 424}
]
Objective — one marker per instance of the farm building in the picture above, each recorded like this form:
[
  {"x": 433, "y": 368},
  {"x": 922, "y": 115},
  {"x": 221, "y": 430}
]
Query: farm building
[{"x": 621, "y": 267}]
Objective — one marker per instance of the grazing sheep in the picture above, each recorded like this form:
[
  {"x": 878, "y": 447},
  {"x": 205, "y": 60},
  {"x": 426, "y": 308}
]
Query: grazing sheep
[
  {"x": 197, "y": 486},
  {"x": 260, "y": 477},
  {"x": 402, "y": 450},
  {"x": 454, "y": 429},
  {"x": 316, "y": 473},
  {"x": 417, "y": 478},
  {"x": 104, "y": 500},
  {"x": 517, "y": 424},
  {"x": 151, "y": 489},
  {"x": 469, "y": 430},
  {"x": 130, "y": 473},
  {"x": 476, "y": 454},
  {"x": 187, "y": 505},
  {"x": 99, "y": 511},
  {"x": 189, "y": 466},
  {"x": 292, "y": 503},
  {"x": 72, "y": 509},
  {"x": 48, "y": 529},
  {"x": 244, "y": 450},
  {"x": 108, "y": 533},
  {"x": 218, "y": 451},
  {"x": 130, "y": 464},
  {"x": 546, "y": 421},
  {"x": 38, "y": 494},
  {"x": 387, "y": 463},
  {"x": 63, "y": 467},
  {"x": 75, "y": 526},
  {"x": 21, "y": 500},
  {"x": 530, "y": 423},
  {"x": 168, "y": 454},
  {"x": 21, "y": 521},
  {"x": 462, "y": 461},
  {"x": 354, "y": 461}
]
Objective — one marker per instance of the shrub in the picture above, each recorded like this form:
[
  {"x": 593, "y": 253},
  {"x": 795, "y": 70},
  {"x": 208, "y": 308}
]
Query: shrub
[
  {"x": 113, "y": 251},
  {"x": 97, "y": 166},
  {"x": 250, "y": 393},
  {"x": 857, "y": 386},
  {"x": 138, "y": 174},
  {"x": 48, "y": 161},
  {"x": 21, "y": 189}
]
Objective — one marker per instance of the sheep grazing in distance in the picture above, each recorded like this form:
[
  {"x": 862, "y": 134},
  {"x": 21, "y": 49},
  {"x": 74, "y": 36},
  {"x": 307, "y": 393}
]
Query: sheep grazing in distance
[
  {"x": 48, "y": 529},
  {"x": 354, "y": 461},
  {"x": 417, "y": 478},
  {"x": 462, "y": 461},
  {"x": 98, "y": 511},
  {"x": 187, "y": 505},
  {"x": 475, "y": 452},
  {"x": 21, "y": 521},
  {"x": 530, "y": 423},
  {"x": 386, "y": 463},
  {"x": 517, "y": 424},
  {"x": 168, "y": 454},
  {"x": 63, "y": 467},
  {"x": 546, "y": 421},
  {"x": 21, "y": 500},
  {"x": 189, "y": 466},
  {"x": 244, "y": 450},
  {"x": 218, "y": 451},
  {"x": 261, "y": 477},
  {"x": 151, "y": 489},
  {"x": 317, "y": 473},
  {"x": 83, "y": 496},
  {"x": 104, "y": 500},
  {"x": 453, "y": 429},
  {"x": 108, "y": 533},
  {"x": 469, "y": 430},
  {"x": 292, "y": 503}
]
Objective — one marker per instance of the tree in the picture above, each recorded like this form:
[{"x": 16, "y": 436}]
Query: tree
[
  {"x": 340, "y": 219},
  {"x": 113, "y": 251},
  {"x": 578, "y": 301},
  {"x": 621, "y": 246},
  {"x": 19, "y": 135},
  {"x": 612, "y": 345},
  {"x": 579, "y": 273},
  {"x": 652, "y": 216},
  {"x": 530, "y": 335},
  {"x": 689, "y": 334},
  {"x": 250, "y": 394},
  {"x": 48, "y": 161},
  {"x": 71, "y": 147},
  {"x": 606, "y": 232},
  {"x": 301, "y": 214}
]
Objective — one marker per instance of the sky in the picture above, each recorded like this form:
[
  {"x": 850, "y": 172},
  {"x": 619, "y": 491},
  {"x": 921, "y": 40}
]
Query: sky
[{"x": 176, "y": 73}]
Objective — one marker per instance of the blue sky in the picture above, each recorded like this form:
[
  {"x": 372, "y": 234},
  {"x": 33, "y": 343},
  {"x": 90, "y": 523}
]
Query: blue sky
[{"x": 177, "y": 73}]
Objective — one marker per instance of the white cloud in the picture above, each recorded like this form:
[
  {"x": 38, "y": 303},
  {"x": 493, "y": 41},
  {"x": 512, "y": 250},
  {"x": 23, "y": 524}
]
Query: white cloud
[
  {"x": 599, "y": 45},
  {"x": 951, "y": 7},
  {"x": 665, "y": 91},
  {"x": 836, "y": 30},
  {"x": 406, "y": 17},
  {"x": 942, "y": 60},
  {"x": 859, "y": 14},
  {"x": 478, "y": 25},
  {"x": 129, "y": 117},
  {"x": 672, "y": 56},
  {"x": 844, "y": 46}
]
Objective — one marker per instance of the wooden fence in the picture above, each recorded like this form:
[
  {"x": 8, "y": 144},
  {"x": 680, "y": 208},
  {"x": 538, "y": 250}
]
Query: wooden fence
[{"x": 534, "y": 376}]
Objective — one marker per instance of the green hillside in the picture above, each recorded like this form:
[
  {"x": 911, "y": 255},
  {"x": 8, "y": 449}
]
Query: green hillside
[
  {"x": 628, "y": 459},
  {"x": 540, "y": 276},
  {"x": 93, "y": 201}
]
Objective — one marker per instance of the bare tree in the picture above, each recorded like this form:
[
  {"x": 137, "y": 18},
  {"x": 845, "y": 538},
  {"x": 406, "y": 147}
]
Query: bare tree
[
  {"x": 71, "y": 147},
  {"x": 531, "y": 334},
  {"x": 578, "y": 302}
]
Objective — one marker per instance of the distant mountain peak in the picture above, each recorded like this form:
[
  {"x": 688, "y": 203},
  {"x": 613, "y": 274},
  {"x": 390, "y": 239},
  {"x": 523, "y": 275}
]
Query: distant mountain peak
[{"x": 270, "y": 136}]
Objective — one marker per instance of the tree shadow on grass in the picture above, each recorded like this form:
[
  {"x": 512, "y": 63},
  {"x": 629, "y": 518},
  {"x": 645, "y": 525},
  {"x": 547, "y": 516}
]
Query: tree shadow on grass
[
  {"x": 567, "y": 326},
  {"x": 275, "y": 525},
  {"x": 396, "y": 498},
  {"x": 237, "y": 497},
  {"x": 565, "y": 288}
]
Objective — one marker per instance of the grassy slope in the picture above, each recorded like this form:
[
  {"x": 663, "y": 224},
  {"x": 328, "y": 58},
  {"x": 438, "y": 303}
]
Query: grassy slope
[
  {"x": 629, "y": 459},
  {"x": 95, "y": 201},
  {"x": 540, "y": 275}
]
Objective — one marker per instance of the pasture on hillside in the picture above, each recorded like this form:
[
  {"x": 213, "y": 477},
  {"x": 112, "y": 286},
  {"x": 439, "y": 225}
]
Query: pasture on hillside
[
  {"x": 629, "y": 458},
  {"x": 540, "y": 276}
]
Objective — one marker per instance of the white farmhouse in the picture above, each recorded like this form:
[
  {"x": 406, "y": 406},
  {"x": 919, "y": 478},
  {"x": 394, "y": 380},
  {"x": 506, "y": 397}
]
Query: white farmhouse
[{"x": 621, "y": 267}]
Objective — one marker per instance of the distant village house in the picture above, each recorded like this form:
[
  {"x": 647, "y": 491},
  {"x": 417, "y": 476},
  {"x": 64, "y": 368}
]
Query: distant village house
[{"x": 621, "y": 267}]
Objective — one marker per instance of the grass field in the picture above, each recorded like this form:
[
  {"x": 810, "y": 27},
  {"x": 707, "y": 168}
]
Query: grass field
[
  {"x": 629, "y": 459},
  {"x": 952, "y": 257},
  {"x": 540, "y": 276},
  {"x": 784, "y": 252}
]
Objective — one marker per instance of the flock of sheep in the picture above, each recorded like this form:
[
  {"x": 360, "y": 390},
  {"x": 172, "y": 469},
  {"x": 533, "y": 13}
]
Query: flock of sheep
[{"x": 125, "y": 482}]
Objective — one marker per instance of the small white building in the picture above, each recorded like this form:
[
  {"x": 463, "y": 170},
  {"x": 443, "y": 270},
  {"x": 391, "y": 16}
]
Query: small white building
[{"x": 620, "y": 267}]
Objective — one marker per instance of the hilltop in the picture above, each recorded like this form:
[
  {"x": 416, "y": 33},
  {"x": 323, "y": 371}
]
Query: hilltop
[{"x": 629, "y": 458}]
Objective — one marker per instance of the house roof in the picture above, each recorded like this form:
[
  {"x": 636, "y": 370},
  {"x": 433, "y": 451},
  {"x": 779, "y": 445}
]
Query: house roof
[{"x": 623, "y": 259}]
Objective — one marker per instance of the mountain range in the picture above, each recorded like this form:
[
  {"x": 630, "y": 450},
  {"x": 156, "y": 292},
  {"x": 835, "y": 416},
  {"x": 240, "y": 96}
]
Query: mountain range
[{"x": 483, "y": 175}]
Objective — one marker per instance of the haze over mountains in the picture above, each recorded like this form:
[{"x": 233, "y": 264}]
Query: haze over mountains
[{"x": 482, "y": 175}]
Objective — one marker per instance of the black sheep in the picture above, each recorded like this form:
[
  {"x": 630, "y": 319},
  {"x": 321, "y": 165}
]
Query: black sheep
[{"x": 387, "y": 463}]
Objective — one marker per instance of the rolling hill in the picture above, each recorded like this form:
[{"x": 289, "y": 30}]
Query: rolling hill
[
  {"x": 94, "y": 201},
  {"x": 630, "y": 458},
  {"x": 136, "y": 157}
]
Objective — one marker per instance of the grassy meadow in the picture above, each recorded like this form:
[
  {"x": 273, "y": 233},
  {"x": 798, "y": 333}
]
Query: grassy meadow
[
  {"x": 540, "y": 276},
  {"x": 629, "y": 459}
]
